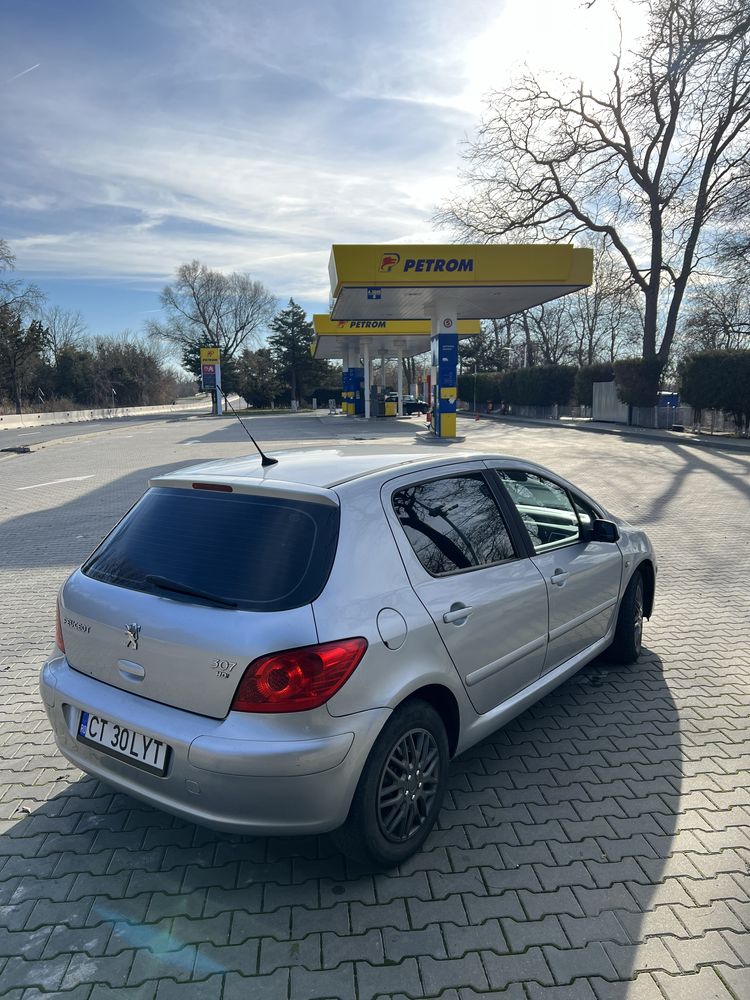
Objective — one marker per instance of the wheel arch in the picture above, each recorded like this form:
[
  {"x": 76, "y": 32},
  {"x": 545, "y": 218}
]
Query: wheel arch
[
  {"x": 444, "y": 702},
  {"x": 649, "y": 586}
]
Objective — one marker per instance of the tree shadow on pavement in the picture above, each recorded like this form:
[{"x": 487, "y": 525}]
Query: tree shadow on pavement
[
  {"x": 556, "y": 856},
  {"x": 587, "y": 786}
]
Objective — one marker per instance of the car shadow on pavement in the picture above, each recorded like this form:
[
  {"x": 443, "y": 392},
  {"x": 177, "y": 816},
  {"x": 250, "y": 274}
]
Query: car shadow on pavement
[
  {"x": 65, "y": 533},
  {"x": 557, "y": 856}
]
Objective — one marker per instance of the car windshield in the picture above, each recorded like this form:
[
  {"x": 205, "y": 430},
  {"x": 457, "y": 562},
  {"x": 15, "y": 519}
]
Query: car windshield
[{"x": 232, "y": 549}]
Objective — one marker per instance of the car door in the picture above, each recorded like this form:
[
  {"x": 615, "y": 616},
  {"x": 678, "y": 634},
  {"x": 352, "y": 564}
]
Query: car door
[
  {"x": 582, "y": 576},
  {"x": 487, "y": 600}
]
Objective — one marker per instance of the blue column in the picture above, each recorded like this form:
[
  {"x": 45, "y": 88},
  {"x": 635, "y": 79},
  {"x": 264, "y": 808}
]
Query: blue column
[{"x": 444, "y": 392}]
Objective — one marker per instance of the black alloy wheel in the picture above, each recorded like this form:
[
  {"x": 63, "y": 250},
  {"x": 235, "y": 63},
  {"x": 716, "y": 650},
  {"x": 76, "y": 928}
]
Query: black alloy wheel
[
  {"x": 628, "y": 639},
  {"x": 400, "y": 790},
  {"x": 408, "y": 785},
  {"x": 638, "y": 617}
]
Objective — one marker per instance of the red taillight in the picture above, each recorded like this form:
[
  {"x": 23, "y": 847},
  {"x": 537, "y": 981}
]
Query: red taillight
[
  {"x": 297, "y": 679},
  {"x": 59, "y": 641}
]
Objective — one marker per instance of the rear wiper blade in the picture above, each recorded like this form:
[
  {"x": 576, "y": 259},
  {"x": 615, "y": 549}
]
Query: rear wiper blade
[{"x": 180, "y": 588}]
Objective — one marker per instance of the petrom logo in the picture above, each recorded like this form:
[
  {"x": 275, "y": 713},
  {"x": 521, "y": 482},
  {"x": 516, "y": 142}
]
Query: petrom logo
[
  {"x": 437, "y": 264},
  {"x": 361, "y": 324},
  {"x": 389, "y": 260},
  {"x": 434, "y": 265}
]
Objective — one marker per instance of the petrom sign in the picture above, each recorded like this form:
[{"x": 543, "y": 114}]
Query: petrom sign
[{"x": 392, "y": 261}]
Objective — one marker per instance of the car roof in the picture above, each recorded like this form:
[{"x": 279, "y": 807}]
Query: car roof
[
  {"x": 321, "y": 468},
  {"x": 312, "y": 473}
]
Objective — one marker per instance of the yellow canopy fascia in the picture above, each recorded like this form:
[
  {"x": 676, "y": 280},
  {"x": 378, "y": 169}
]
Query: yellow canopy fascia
[
  {"x": 324, "y": 326},
  {"x": 454, "y": 265}
]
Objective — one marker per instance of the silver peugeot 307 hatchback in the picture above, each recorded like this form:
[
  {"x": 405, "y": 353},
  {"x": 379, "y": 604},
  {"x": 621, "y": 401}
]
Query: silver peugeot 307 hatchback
[{"x": 302, "y": 648}]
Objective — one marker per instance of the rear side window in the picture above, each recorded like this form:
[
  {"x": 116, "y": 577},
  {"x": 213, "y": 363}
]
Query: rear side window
[
  {"x": 258, "y": 553},
  {"x": 453, "y": 524}
]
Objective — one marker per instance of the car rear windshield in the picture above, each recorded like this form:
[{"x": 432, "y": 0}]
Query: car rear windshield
[{"x": 255, "y": 553}]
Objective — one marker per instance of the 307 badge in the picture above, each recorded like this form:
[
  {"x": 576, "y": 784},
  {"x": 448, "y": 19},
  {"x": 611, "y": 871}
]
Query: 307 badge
[{"x": 224, "y": 668}]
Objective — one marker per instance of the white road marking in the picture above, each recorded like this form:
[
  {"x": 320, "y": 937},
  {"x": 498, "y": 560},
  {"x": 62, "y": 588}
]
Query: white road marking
[
  {"x": 70, "y": 479},
  {"x": 190, "y": 442}
]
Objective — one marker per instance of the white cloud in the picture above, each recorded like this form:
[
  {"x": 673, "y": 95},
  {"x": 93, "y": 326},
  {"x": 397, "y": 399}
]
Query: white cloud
[{"x": 267, "y": 133}]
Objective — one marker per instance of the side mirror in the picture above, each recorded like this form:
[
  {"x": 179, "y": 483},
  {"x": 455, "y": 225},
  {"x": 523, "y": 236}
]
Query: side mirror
[{"x": 604, "y": 531}]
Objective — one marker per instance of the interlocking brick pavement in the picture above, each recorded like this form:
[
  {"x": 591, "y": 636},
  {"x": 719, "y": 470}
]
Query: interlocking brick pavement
[{"x": 597, "y": 848}]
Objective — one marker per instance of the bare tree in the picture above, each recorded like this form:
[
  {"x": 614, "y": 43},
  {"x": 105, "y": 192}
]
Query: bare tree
[
  {"x": 16, "y": 295},
  {"x": 605, "y": 317},
  {"x": 207, "y": 307},
  {"x": 718, "y": 317},
  {"x": 551, "y": 330},
  {"x": 652, "y": 165},
  {"x": 7, "y": 257},
  {"x": 65, "y": 329}
]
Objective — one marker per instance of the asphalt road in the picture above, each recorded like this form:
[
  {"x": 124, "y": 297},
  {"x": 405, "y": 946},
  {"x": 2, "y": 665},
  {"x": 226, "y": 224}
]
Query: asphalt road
[{"x": 596, "y": 848}]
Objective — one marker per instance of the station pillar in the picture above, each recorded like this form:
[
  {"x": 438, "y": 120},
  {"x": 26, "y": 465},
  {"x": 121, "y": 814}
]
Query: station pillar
[{"x": 444, "y": 372}]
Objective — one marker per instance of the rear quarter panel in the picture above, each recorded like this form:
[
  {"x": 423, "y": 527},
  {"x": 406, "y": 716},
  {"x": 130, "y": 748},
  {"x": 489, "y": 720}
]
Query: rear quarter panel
[{"x": 368, "y": 576}]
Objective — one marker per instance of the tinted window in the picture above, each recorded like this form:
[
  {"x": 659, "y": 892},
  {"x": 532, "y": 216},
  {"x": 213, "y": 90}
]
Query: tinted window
[
  {"x": 453, "y": 524},
  {"x": 262, "y": 553},
  {"x": 545, "y": 508}
]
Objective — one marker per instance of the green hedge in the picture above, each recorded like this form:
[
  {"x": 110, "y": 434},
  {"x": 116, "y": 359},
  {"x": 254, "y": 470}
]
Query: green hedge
[
  {"x": 718, "y": 380},
  {"x": 542, "y": 386},
  {"x": 583, "y": 386},
  {"x": 637, "y": 380},
  {"x": 489, "y": 388}
]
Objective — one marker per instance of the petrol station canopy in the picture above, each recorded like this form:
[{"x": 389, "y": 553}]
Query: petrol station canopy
[
  {"x": 480, "y": 281},
  {"x": 412, "y": 337}
]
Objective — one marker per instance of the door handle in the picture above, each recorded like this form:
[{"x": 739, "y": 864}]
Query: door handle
[
  {"x": 457, "y": 614},
  {"x": 558, "y": 578}
]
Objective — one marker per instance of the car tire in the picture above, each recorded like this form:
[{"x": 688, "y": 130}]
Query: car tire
[
  {"x": 626, "y": 645},
  {"x": 397, "y": 801}
]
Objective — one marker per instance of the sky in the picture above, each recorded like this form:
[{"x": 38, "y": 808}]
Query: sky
[{"x": 138, "y": 135}]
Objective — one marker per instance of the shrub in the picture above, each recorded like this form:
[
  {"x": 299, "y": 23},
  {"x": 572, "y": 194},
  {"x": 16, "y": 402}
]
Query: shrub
[
  {"x": 718, "y": 380},
  {"x": 542, "y": 386},
  {"x": 489, "y": 388},
  {"x": 637, "y": 380},
  {"x": 583, "y": 386}
]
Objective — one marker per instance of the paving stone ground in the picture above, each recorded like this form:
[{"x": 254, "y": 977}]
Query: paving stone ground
[{"x": 597, "y": 848}]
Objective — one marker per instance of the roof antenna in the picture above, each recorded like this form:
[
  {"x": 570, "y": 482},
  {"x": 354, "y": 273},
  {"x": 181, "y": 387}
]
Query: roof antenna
[{"x": 265, "y": 461}]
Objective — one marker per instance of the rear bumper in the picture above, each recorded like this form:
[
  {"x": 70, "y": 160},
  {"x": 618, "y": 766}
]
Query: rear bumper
[{"x": 281, "y": 774}]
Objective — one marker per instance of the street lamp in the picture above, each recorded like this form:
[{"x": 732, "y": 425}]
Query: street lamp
[{"x": 113, "y": 396}]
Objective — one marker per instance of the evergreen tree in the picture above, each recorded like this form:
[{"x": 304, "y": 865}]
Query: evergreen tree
[
  {"x": 258, "y": 381},
  {"x": 290, "y": 343},
  {"x": 20, "y": 345}
]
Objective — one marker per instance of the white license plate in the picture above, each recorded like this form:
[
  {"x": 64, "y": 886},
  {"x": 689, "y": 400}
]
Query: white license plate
[{"x": 123, "y": 742}]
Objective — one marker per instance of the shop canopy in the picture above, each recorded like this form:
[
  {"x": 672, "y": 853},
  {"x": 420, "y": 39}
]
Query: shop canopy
[
  {"x": 334, "y": 338},
  {"x": 473, "y": 282}
]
